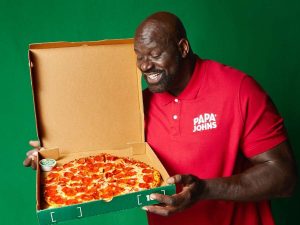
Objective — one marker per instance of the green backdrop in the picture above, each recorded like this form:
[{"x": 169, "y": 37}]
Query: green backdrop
[{"x": 260, "y": 37}]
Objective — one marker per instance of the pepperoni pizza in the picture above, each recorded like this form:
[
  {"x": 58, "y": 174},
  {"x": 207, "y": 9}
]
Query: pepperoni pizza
[{"x": 99, "y": 177}]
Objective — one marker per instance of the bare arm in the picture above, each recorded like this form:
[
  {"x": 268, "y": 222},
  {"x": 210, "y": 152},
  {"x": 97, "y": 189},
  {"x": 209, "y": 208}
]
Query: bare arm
[{"x": 273, "y": 174}]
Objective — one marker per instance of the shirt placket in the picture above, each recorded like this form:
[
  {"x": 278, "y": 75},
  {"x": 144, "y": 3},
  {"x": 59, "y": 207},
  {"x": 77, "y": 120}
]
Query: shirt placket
[{"x": 175, "y": 117}]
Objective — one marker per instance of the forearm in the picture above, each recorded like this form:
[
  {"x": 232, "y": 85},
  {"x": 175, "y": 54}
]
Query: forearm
[
  {"x": 265, "y": 180},
  {"x": 253, "y": 185}
]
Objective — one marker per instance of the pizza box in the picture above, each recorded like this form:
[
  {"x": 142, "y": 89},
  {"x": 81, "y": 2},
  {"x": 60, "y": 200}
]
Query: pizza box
[{"x": 88, "y": 100}]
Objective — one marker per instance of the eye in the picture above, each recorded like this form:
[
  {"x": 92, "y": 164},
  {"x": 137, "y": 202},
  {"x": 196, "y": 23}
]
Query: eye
[
  {"x": 139, "y": 57},
  {"x": 155, "y": 55}
]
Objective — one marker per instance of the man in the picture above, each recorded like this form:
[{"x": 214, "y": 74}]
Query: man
[{"x": 215, "y": 130}]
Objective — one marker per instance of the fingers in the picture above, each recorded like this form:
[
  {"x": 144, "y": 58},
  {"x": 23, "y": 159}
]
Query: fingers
[
  {"x": 34, "y": 163},
  {"x": 31, "y": 161},
  {"x": 160, "y": 210},
  {"x": 174, "y": 200},
  {"x": 181, "y": 179},
  {"x": 35, "y": 144},
  {"x": 177, "y": 202},
  {"x": 32, "y": 152},
  {"x": 168, "y": 204},
  {"x": 166, "y": 199},
  {"x": 27, "y": 162}
]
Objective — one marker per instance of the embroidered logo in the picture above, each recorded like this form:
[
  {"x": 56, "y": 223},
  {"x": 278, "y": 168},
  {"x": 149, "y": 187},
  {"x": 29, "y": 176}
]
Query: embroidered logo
[{"x": 205, "y": 121}]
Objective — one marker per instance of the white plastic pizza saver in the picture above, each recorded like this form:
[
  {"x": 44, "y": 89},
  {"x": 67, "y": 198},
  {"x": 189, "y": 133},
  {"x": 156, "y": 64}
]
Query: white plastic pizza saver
[{"x": 47, "y": 164}]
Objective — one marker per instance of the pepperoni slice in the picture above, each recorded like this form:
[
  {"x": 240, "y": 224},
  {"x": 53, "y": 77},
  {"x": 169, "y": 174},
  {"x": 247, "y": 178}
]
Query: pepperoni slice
[
  {"x": 90, "y": 167},
  {"x": 63, "y": 180},
  {"x": 111, "y": 158},
  {"x": 141, "y": 164},
  {"x": 73, "y": 170},
  {"x": 91, "y": 190},
  {"x": 53, "y": 175},
  {"x": 99, "y": 165},
  {"x": 75, "y": 178},
  {"x": 65, "y": 189},
  {"x": 128, "y": 169},
  {"x": 50, "y": 192},
  {"x": 72, "y": 201},
  {"x": 80, "y": 189},
  {"x": 81, "y": 161},
  {"x": 99, "y": 158},
  {"x": 119, "y": 175},
  {"x": 107, "y": 195},
  {"x": 86, "y": 197},
  {"x": 107, "y": 168},
  {"x": 147, "y": 170},
  {"x": 95, "y": 169},
  {"x": 95, "y": 176},
  {"x": 117, "y": 191},
  {"x": 83, "y": 173},
  {"x": 144, "y": 185},
  {"x": 56, "y": 169},
  {"x": 57, "y": 200},
  {"x": 131, "y": 182},
  {"x": 96, "y": 195},
  {"x": 148, "y": 178},
  {"x": 107, "y": 175},
  {"x": 116, "y": 171},
  {"x": 120, "y": 166},
  {"x": 52, "y": 187},
  {"x": 131, "y": 173},
  {"x": 86, "y": 180},
  {"x": 69, "y": 191},
  {"x": 68, "y": 174},
  {"x": 90, "y": 160},
  {"x": 68, "y": 165},
  {"x": 51, "y": 181}
]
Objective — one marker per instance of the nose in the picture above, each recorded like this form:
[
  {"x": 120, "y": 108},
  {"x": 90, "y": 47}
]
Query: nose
[{"x": 146, "y": 65}]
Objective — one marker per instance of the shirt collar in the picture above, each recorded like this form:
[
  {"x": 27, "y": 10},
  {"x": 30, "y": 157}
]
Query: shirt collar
[{"x": 189, "y": 92}]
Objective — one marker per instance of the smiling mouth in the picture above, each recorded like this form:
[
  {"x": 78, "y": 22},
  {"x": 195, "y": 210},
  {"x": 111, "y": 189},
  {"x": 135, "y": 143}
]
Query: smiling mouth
[{"x": 153, "y": 78}]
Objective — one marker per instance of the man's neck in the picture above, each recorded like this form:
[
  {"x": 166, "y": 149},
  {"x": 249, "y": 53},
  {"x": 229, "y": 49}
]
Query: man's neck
[{"x": 187, "y": 71}]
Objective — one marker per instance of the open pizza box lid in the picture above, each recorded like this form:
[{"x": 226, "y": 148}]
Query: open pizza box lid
[{"x": 87, "y": 95}]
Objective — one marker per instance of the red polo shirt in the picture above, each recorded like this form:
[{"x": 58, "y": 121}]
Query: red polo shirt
[{"x": 218, "y": 121}]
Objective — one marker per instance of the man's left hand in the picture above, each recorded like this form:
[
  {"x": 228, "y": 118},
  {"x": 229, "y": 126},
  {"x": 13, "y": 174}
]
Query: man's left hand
[{"x": 192, "y": 188}]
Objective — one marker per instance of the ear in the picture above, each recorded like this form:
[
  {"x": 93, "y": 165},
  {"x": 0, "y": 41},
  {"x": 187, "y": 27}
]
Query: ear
[{"x": 184, "y": 47}]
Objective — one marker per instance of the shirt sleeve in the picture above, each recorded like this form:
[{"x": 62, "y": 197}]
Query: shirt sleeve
[{"x": 263, "y": 126}]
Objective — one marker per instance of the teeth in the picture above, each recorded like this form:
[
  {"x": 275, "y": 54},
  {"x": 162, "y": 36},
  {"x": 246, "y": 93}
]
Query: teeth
[{"x": 153, "y": 76}]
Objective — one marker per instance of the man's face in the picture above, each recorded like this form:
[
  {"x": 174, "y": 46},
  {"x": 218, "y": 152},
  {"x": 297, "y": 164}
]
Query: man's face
[{"x": 158, "y": 59}]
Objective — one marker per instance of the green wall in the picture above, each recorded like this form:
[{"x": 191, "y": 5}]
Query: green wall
[{"x": 260, "y": 37}]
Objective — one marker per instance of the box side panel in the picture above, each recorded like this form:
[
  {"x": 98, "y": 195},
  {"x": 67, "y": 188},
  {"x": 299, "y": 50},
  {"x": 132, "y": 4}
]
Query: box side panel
[
  {"x": 156, "y": 162},
  {"x": 38, "y": 187},
  {"x": 133, "y": 200}
]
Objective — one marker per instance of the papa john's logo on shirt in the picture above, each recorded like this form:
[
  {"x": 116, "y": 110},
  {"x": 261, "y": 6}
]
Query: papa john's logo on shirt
[{"x": 205, "y": 121}]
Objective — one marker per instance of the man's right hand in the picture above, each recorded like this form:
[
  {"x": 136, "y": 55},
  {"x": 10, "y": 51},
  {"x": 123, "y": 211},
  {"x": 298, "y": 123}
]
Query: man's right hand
[{"x": 31, "y": 156}]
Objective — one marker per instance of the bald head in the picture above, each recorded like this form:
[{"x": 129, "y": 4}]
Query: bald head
[{"x": 169, "y": 25}]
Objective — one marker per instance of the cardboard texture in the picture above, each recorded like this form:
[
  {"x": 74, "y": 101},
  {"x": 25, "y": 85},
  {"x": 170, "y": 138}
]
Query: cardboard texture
[{"x": 88, "y": 100}]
